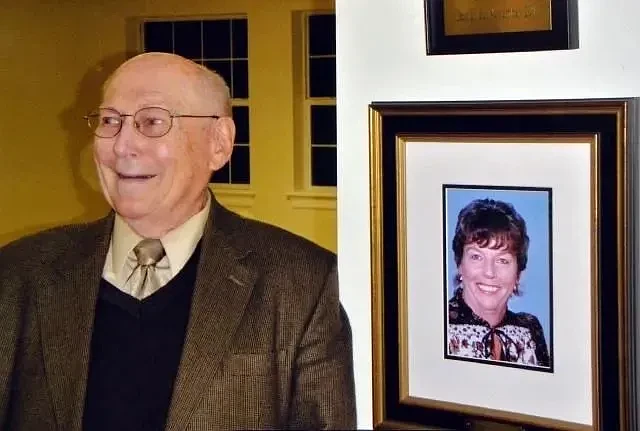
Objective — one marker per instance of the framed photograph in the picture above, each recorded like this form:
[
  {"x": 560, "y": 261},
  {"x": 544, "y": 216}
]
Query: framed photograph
[
  {"x": 497, "y": 244},
  {"x": 500, "y": 274},
  {"x": 473, "y": 26}
]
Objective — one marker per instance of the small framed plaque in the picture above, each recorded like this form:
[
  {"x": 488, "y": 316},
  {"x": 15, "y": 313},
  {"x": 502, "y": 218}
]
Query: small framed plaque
[{"x": 485, "y": 26}]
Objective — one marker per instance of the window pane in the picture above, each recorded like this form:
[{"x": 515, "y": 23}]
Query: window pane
[
  {"x": 240, "y": 165},
  {"x": 322, "y": 77},
  {"x": 222, "y": 68},
  {"x": 188, "y": 39},
  {"x": 240, "y": 88},
  {"x": 322, "y": 34},
  {"x": 216, "y": 36},
  {"x": 221, "y": 176},
  {"x": 323, "y": 125},
  {"x": 239, "y": 35},
  {"x": 323, "y": 166},
  {"x": 241, "y": 118},
  {"x": 158, "y": 36}
]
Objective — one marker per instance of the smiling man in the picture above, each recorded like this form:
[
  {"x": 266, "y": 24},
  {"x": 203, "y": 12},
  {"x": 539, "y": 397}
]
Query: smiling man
[{"x": 171, "y": 312}]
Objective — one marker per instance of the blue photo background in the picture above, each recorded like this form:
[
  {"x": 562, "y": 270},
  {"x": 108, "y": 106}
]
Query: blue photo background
[{"x": 533, "y": 205}]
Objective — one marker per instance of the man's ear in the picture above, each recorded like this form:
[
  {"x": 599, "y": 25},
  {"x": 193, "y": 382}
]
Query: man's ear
[{"x": 221, "y": 142}]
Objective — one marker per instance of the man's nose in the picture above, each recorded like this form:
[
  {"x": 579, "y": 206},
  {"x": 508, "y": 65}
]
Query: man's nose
[{"x": 125, "y": 143}]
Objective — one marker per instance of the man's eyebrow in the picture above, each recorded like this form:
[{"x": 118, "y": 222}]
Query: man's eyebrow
[{"x": 103, "y": 106}]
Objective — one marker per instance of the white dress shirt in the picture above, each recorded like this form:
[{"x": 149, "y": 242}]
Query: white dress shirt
[{"x": 178, "y": 244}]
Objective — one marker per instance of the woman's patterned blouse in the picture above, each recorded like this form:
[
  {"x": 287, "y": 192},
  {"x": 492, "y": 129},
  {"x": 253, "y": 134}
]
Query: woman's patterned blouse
[{"x": 518, "y": 338}]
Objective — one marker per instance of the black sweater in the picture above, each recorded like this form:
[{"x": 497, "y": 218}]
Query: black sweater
[{"x": 135, "y": 351}]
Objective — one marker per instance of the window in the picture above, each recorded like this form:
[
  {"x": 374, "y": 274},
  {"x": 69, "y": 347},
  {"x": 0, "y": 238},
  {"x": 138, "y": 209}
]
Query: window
[
  {"x": 221, "y": 45},
  {"x": 320, "y": 98}
]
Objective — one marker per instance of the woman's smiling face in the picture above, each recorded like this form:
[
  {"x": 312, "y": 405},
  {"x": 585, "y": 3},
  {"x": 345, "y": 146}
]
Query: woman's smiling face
[{"x": 489, "y": 276}]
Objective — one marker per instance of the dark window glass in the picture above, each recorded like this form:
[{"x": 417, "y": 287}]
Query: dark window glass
[
  {"x": 240, "y": 165},
  {"x": 158, "y": 36},
  {"x": 187, "y": 38},
  {"x": 221, "y": 176},
  {"x": 323, "y": 166},
  {"x": 241, "y": 118},
  {"x": 323, "y": 125},
  {"x": 322, "y": 35},
  {"x": 322, "y": 77},
  {"x": 240, "y": 88},
  {"x": 222, "y": 68},
  {"x": 216, "y": 36},
  {"x": 239, "y": 36}
]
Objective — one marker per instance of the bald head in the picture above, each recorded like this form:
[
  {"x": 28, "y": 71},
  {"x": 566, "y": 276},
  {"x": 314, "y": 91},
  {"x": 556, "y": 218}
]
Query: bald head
[{"x": 192, "y": 85}]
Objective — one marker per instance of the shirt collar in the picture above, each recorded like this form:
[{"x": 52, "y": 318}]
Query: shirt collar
[{"x": 178, "y": 243}]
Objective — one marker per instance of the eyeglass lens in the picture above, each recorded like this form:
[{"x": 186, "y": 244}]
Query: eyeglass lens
[{"x": 152, "y": 122}]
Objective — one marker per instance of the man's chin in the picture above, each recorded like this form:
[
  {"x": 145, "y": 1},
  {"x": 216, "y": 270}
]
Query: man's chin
[{"x": 131, "y": 210}]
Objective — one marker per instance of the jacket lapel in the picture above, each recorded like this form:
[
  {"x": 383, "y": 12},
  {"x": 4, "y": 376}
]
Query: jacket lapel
[
  {"x": 66, "y": 301},
  {"x": 223, "y": 287}
]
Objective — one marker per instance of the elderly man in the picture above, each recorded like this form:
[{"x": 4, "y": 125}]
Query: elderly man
[{"x": 171, "y": 312}]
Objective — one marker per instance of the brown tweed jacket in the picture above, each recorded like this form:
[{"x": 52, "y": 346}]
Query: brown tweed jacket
[{"x": 268, "y": 344}]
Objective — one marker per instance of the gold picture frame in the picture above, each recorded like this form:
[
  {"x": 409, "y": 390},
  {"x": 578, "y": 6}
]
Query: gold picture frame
[{"x": 575, "y": 156}]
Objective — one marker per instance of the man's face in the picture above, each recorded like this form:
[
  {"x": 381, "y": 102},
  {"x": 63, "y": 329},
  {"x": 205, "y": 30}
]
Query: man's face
[{"x": 155, "y": 182}]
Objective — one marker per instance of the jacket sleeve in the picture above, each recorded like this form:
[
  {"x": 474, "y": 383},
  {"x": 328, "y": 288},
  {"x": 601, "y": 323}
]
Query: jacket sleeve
[
  {"x": 324, "y": 393},
  {"x": 10, "y": 300}
]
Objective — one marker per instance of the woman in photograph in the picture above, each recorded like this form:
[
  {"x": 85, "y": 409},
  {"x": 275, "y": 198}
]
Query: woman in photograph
[{"x": 490, "y": 249}]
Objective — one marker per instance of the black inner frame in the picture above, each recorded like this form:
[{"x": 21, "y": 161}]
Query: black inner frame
[
  {"x": 558, "y": 37},
  {"x": 394, "y": 122}
]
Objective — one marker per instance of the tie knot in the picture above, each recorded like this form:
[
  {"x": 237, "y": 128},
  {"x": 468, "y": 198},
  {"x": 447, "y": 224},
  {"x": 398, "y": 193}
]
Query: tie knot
[{"x": 149, "y": 251}]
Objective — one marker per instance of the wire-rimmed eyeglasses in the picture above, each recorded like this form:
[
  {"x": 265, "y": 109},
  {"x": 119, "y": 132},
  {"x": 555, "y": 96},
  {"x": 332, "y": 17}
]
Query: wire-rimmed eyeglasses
[{"x": 151, "y": 121}]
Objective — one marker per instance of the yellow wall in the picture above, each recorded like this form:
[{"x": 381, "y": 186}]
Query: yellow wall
[{"x": 53, "y": 58}]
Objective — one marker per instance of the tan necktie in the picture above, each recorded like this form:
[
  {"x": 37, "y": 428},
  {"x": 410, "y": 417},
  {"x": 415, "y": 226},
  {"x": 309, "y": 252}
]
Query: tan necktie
[{"x": 143, "y": 281}]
